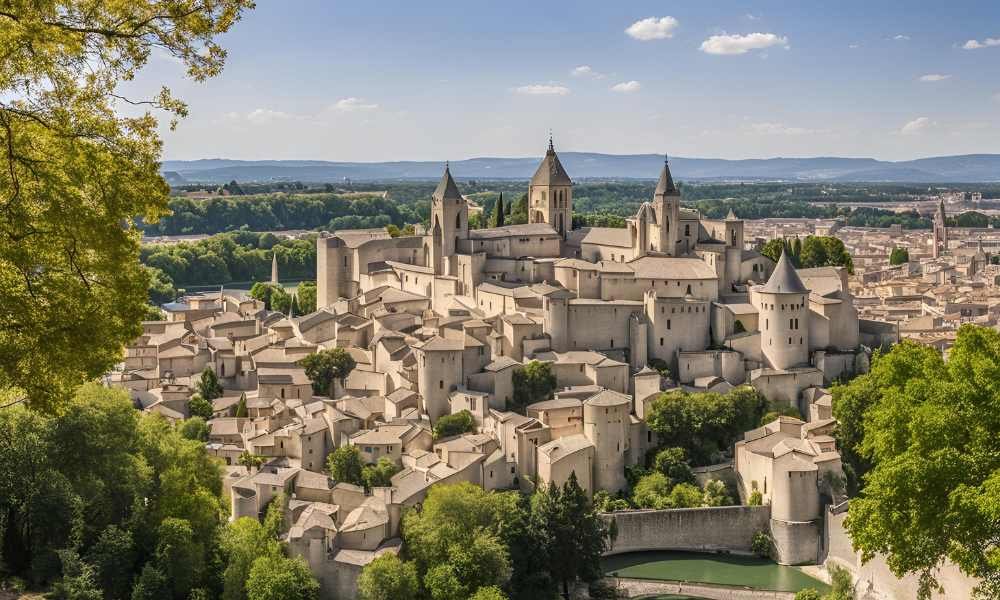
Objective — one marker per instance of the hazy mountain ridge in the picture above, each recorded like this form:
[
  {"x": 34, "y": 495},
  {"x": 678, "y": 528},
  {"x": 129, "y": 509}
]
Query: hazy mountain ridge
[{"x": 970, "y": 168}]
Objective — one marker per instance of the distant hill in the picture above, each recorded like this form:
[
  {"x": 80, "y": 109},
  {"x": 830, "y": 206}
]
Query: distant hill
[{"x": 972, "y": 168}]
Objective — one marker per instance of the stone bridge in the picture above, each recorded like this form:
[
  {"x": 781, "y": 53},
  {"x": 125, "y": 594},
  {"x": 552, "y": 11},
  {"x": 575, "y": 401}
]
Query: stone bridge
[{"x": 641, "y": 588}]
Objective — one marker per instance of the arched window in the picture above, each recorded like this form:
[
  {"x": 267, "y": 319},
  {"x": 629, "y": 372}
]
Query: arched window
[{"x": 458, "y": 221}]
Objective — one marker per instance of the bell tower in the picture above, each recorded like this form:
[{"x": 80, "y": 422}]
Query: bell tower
[
  {"x": 550, "y": 194},
  {"x": 667, "y": 208},
  {"x": 449, "y": 222}
]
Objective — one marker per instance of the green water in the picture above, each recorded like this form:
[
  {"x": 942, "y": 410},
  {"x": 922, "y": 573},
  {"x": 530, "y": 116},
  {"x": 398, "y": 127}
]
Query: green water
[{"x": 742, "y": 571}]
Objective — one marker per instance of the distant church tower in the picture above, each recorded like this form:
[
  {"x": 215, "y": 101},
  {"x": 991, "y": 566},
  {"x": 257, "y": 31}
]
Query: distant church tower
[
  {"x": 274, "y": 267},
  {"x": 940, "y": 230},
  {"x": 550, "y": 194},
  {"x": 667, "y": 208},
  {"x": 449, "y": 222}
]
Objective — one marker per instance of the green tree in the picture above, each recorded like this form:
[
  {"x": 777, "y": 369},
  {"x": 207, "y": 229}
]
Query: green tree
[
  {"x": 327, "y": 367},
  {"x": 151, "y": 584},
  {"x": 705, "y": 424},
  {"x": 345, "y": 465},
  {"x": 685, "y": 495},
  {"x": 272, "y": 295},
  {"x": 77, "y": 177},
  {"x": 533, "y": 382},
  {"x": 195, "y": 428},
  {"x": 652, "y": 491},
  {"x": 930, "y": 434},
  {"x": 208, "y": 385},
  {"x": 306, "y": 293},
  {"x": 488, "y": 593},
  {"x": 519, "y": 211},
  {"x": 293, "y": 307},
  {"x": 241, "y": 406},
  {"x": 198, "y": 406},
  {"x": 773, "y": 249},
  {"x": 379, "y": 474},
  {"x": 250, "y": 460},
  {"x": 454, "y": 424},
  {"x": 576, "y": 536},
  {"x": 178, "y": 555},
  {"x": 715, "y": 494},
  {"x": 808, "y": 594},
  {"x": 841, "y": 584},
  {"x": 497, "y": 219},
  {"x": 113, "y": 556},
  {"x": 280, "y": 578},
  {"x": 242, "y": 542},
  {"x": 899, "y": 256},
  {"x": 78, "y": 582},
  {"x": 672, "y": 462},
  {"x": 389, "y": 578}
]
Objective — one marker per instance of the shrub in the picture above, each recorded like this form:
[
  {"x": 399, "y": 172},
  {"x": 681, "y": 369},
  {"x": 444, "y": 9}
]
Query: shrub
[
  {"x": 808, "y": 594},
  {"x": 762, "y": 545},
  {"x": 755, "y": 499}
]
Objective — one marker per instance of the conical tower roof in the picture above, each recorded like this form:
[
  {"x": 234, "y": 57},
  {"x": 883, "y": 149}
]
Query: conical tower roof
[
  {"x": 446, "y": 188},
  {"x": 731, "y": 216},
  {"x": 784, "y": 280},
  {"x": 665, "y": 186},
  {"x": 551, "y": 171}
]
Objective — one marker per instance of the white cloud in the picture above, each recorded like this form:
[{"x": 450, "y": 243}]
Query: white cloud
[
  {"x": 652, "y": 28},
  {"x": 854, "y": 46},
  {"x": 586, "y": 71},
  {"x": 782, "y": 129},
  {"x": 986, "y": 43},
  {"x": 353, "y": 104},
  {"x": 741, "y": 44},
  {"x": 916, "y": 126},
  {"x": 541, "y": 89},
  {"x": 901, "y": 38},
  {"x": 752, "y": 17},
  {"x": 262, "y": 115},
  {"x": 934, "y": 77},
  {"x": 627, "y": 87}
]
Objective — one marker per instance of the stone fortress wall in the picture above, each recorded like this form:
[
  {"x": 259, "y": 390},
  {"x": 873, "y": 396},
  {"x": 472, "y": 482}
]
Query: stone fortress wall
[{"x": 716, "y": 529}]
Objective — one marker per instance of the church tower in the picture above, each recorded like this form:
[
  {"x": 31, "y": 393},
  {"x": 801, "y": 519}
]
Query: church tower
[
  {"x": 550, "y": 194},
  {"x": 449, "y": 222},
  {"x": 940, "y": 230},
  {"x": 667, "y": 208}
]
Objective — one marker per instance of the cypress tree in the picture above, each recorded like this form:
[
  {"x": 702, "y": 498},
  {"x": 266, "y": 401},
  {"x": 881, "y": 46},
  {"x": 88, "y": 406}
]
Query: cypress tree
[{"x": 498, "y": 212}]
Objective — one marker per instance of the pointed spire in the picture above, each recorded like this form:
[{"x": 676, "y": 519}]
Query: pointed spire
[
  {"x": 274, "y": 267},
  {"x": 784, "y": 279},
  {"x": 732, "y": 216},
  {"x": 665, "y": 186},
  {"x": 446, "y": 188},
  {"x": 551, "y": 171}
]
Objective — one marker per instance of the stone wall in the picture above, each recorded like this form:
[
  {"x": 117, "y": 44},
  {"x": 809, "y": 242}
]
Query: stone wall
[
  {"x": 795, "y": 542},
  {"x": 724, "y": 528},
  {"x": 874, "y": 580}
]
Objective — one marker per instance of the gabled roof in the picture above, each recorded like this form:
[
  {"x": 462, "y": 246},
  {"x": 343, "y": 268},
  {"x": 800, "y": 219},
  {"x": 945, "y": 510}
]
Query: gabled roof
[
  {"x": 551, "y": 171},
  {"x": 784, "y": 279}
]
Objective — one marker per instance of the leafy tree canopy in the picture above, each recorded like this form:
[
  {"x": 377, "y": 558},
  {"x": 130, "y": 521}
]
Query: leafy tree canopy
[
  {"x": 930, "y": 430},
  {"x": 77, "y": 177}
]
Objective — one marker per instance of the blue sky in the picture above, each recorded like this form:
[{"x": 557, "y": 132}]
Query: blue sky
[{"x": 388, "y": 80}]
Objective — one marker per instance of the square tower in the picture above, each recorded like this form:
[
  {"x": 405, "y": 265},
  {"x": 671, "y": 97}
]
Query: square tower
[{"x": 550, "y": 194}]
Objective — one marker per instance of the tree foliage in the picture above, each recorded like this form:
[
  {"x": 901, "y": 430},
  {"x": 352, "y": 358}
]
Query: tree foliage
[
  {"x": 345, "y": 465},
  {"x": 454, "y": 424},
  {"x": 77, "y": 177},
  {"x": 705, "y": 425},
  {"x": 327, "y": 367},
  {"x": 280, "y": 578},
  {"x": 389, "y": 578},
  {"x": 930, "y": 431},
  {"x": 899, "y": 256},
  {"x": 533, "y": 382}
]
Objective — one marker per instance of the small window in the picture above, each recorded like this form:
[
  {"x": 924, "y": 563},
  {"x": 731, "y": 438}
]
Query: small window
[{"x": 668, "y": 324}]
